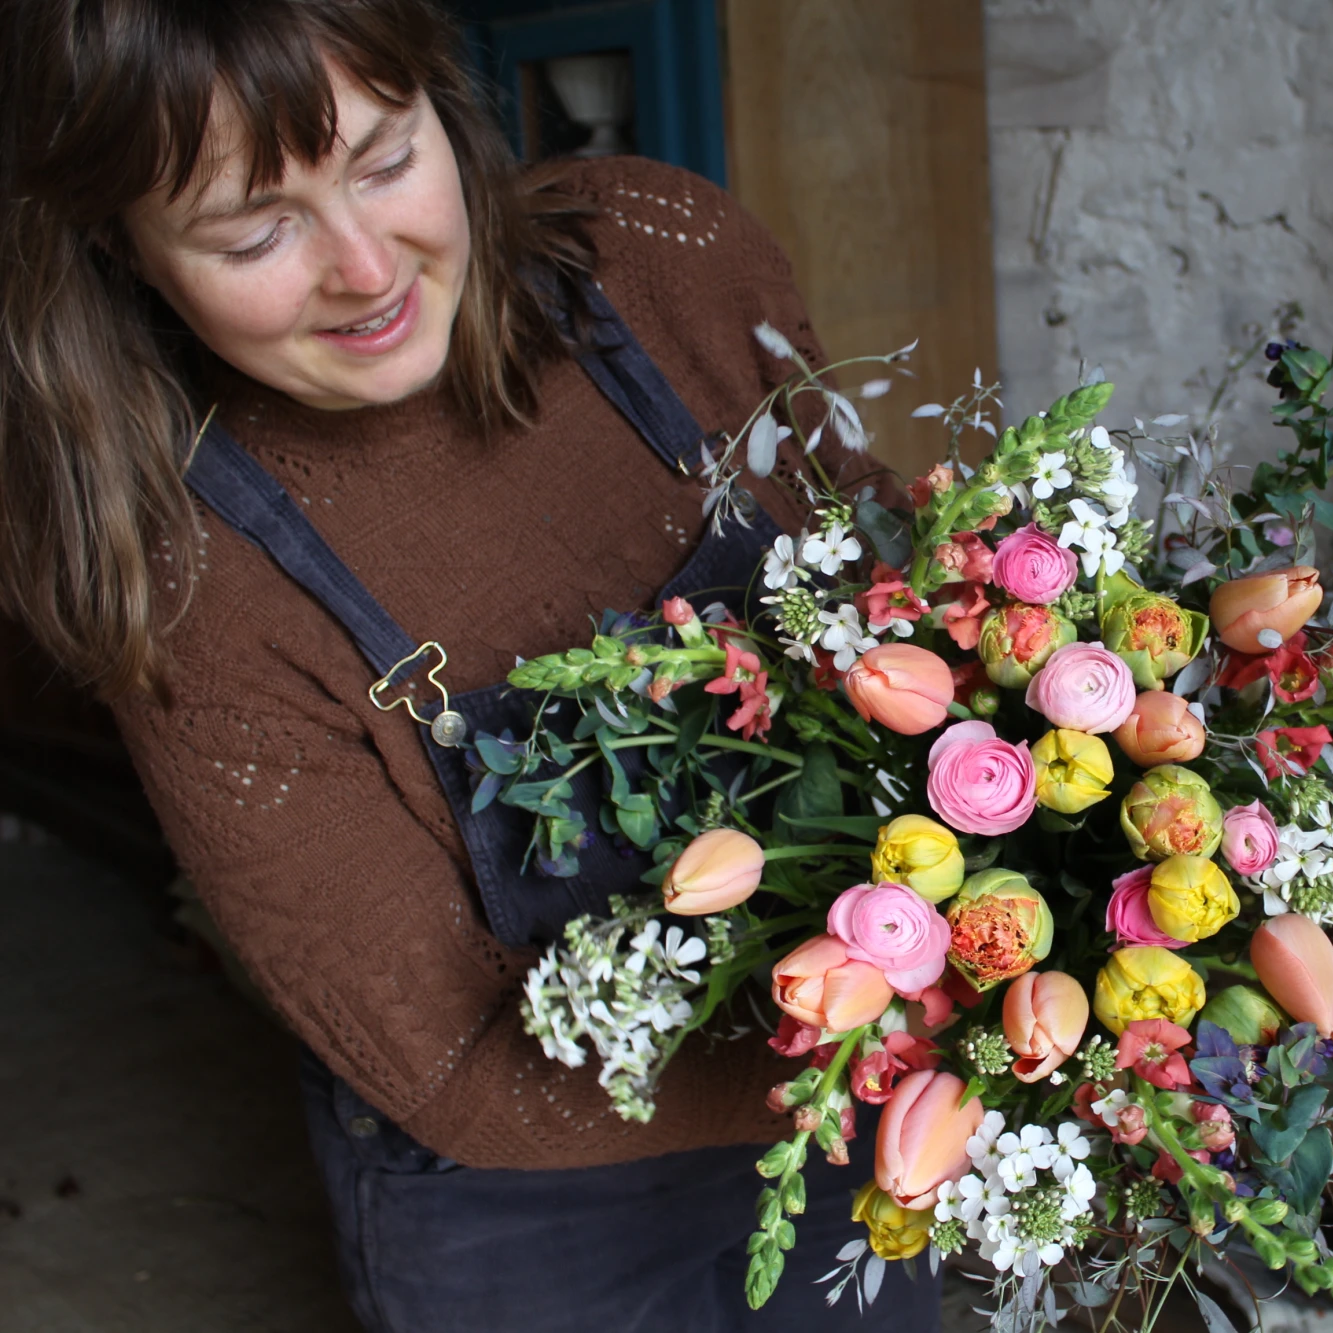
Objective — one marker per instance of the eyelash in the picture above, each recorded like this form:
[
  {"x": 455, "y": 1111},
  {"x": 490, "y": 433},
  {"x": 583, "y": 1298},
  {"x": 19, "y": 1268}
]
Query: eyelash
[{"x": 391, "y": 173}]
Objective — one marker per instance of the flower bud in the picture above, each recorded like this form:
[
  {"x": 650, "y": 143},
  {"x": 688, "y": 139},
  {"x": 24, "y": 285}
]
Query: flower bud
[
  {"x": 1216, "y": 1132},
  {"x": 1000, "y": 926},
  {"x": 920, "y": 853},
  {"x": 1161, "y": 730},
  {"x": 1268, "y": 1212},
  {"x": 817, "y": 983},
  {"x": 1246, "y": 1014},
  {"x": 716, "y": 871},
  {"x": 902, "y": 687},
  {"x": 1190, "y": 898},
  {"x": 1073, "y": 769},
  {"x": 1294, "y": 960},
  {"x": 1144, "y": 983},
  {"x": 1171, "y": 811},
  {"x": 1017, "y": 640},
  {"x": 1249, "y": 838},
  {"x": 1152, "y": 634},
  {"x": 922, "y": 1137},
  {"x": 984, "y": 702},
  {"x": 1280, "y": 602},
  {"x": 1268, "y": 1247},
  {"x": 895, "y": 1232},
  {"x": 1045, "y": 1014}
]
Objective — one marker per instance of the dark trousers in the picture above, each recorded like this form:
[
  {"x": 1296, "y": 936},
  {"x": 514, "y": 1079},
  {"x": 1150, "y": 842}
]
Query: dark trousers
[{"x": 657, "y": 1246}]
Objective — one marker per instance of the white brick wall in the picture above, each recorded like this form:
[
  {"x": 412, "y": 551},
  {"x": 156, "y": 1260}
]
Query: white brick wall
[{"x": 1162, "y": 175}]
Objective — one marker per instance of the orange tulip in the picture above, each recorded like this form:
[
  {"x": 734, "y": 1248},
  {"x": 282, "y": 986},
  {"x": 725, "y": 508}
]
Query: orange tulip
[
  {"x": 818, "y": 984},
  {"x": 1281, "y": 600},
  {"x": 1294, "y": 960},
  {"x": 922, "y": 1139},
  {"x": 1044, "y": 1017},
  {"x": 717, "y": 870},
  {"x": 902, "y": 687},
  {"x": 1160, "y": 730}
]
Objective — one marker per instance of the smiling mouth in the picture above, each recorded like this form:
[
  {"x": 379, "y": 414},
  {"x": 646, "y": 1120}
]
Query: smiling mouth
[{"x": 372, "y": 325}]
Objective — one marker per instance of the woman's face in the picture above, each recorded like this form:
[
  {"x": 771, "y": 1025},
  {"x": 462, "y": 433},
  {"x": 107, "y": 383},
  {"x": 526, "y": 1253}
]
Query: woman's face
[{"x": 339, "y": 286}]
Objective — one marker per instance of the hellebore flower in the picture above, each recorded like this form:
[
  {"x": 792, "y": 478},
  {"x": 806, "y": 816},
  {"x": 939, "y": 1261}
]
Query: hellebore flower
[
  {"x": 1171, "y": 811},
  {"x": 1072, "y": 770},
  {"x": 978, "y": 782},
  {"x": 1190, "y": 898},
  {"x": 1290, "y": 750},
  {"x": 922, "y": 1138},
  {"x": 1161, "y": 730},
  {"x": 1033, "y": 567},
  {"x": 1222, "y": 1067},
  {"x": 1151, "y": 1048},
  {"x": 717, "y": 870},
  {"x": 1129, "y": 916},
  {"x": 895, "y": 1232},
  {"x": 1017, "y": 640},
  {"x": 1085, "y": 687},
  {"x": 1249, "y": 838},
  {"x": 1147, "y": 982},
  {"x": 817, "y": 983},
  {"x": 893, "y": 928},
  {"x": 920, "y": 853},
  {"x": 1275, "y": 604},
  {"x": 902, "y": 687},
  {"x": 1152, "y": 634},
  {"x": 1294, "y": 960},
  {"x": 1001, "y": 928},
  {"x": 1294, "y": 673},
  {"x": 1045, "y": 1014}
]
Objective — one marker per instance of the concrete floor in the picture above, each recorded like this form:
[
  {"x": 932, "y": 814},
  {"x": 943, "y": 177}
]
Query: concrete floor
[{"x": 154, "y": 1176}]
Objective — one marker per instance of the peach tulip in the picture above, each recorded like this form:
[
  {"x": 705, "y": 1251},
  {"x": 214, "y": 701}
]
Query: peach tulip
[
  {"x": 923, "y": 1134},
  {"x": 1044, "y": 1017},
  {"x": 902, "y": 687},
  {"x": 717, "y": 870},
  {"x": 1294, "y": 960},
  {"x": 1281, "y": 601},
  {"x": 818, "y": 984},
  {"x": 1160, "y": 730}
]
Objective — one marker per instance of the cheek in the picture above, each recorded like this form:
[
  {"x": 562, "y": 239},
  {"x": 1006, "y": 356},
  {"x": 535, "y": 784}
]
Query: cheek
[{"x": 262, "y": 305}]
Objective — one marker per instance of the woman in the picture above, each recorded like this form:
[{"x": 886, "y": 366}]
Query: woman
[{"x": 288, "y": 218}]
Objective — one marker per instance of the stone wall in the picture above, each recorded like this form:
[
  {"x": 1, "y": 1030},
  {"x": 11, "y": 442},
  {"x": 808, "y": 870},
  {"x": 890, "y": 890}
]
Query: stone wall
[{"x": 1162, "y": 178}]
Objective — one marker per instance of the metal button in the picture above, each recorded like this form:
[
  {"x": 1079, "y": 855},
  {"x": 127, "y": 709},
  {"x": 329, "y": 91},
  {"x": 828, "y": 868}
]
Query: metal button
[
  {"x": 363, "y": 1127},
  {"x": 448, "y": 728}
]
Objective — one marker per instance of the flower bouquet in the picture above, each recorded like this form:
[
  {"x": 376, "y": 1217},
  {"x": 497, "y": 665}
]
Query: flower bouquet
[{"x": 1018, "y": 808}]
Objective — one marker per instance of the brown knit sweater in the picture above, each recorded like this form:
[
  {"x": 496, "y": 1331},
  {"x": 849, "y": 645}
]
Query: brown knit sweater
[{"x": 313, "y": 825}]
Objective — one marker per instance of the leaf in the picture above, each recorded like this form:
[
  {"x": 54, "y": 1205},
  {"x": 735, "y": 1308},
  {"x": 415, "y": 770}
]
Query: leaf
[
  {"x": 495, "y": 754},
  {"x": 1171, "y": 419},
  {"x": 637, "y": 825},
  {"x": 889, "y": 535},
  {"x": 772, "y": 341},
  {"x": 929, "y": 410},
  {"x": 1197, "y": 571},
  {"x": 487, "y": 790},
  {"x": 762, "y": 451},
  {"x": 1214, "y": 1319},
  {"x": 1281, "y": 1135},
  {"x": 864, "y": 827},
  {"x": 1191, "y": 676},
  {"x": 854, "y": 1249},
  {"x": 1311, "y": 1166},
  {"x": 817, "y": 793},
  {"x": 874, "y": 388},
  {"x": 1088, "y": 1294},
  {"x": 874, "y": 1278}
]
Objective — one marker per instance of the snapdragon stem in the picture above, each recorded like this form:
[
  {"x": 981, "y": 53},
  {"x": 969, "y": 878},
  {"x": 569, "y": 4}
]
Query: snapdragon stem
[{"x": 813, "y": 849}]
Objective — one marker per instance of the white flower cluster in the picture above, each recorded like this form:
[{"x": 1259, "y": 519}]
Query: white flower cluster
[
  {"x": 1299, "y": 878},
  {"x": 626, "y": 1001},
  {"x": 1026, "y": 1194},
  {"x": 1092, "y": 527}
]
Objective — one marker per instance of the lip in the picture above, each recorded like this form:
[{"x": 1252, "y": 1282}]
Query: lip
[{"x": 392, "y": 335}]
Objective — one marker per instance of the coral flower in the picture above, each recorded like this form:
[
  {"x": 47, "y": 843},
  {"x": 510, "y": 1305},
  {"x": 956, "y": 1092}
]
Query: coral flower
[
  {"x": 959, "y": 610},
  {"x": 1290, "y": 750},
  {"x": 902, "y": 687},
  {"x": 817, "y": 983},
  {"x": 922, "y": 1139},
  {"x": 1151, "y": 1048},
  {"x": 1001, "y": 927},
  {"x": 1160, "y": 730},
  {"x": 717, "y": 870},
  {"x": 1294, "y": 673},
  {"x": 1045, "y": 1014},
  {"x": 1275, "y": 605},
  {"x": 1294, "y": 960}
]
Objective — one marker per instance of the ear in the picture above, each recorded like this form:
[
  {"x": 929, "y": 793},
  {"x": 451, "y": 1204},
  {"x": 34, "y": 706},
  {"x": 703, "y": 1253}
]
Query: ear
[{"x": 111, "y": 239}]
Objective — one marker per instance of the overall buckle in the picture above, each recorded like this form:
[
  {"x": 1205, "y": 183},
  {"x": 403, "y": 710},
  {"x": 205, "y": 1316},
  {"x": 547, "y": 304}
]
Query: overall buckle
[{"x": 447, "y": 728}]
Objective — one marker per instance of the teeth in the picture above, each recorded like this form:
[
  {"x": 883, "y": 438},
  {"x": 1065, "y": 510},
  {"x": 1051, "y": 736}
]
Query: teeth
[{"x": 372, "y": 325}]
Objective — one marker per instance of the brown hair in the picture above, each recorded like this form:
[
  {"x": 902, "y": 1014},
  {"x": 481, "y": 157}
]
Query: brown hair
[{"x": 102, "y": 101}]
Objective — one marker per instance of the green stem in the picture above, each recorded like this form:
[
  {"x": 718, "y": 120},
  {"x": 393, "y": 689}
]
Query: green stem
[
  {"x": 754, "y": 747},
  {"x": 813, "y": 849},
  {"x": 1101, "y": 589},
  {"x": 1219, "y": 965},
  {"x": 769, "y": 786},
  {"x": 941, "y": 529},
  {"x": 839, "y": 1062},
  {"x": 1161, "y": 1302}
]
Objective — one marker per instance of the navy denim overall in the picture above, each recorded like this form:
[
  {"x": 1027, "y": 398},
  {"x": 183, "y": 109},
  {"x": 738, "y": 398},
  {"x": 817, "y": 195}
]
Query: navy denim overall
[{"x": 426, "y": 1245}]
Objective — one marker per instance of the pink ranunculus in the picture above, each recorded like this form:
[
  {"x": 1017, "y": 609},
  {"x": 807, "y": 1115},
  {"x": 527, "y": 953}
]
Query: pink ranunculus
[
  {"x": 1034, "y": 567},
  {"x": 979, "y": 783},
  {"x": 1249, "y": 838},
  {"x": 1084, "y": 687},
  {"x": 893, "y": 928},
  {"x": 1127, "y": 913}
]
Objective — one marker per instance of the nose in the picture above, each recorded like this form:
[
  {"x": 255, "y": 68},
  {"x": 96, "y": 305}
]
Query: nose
[{"x": 359, "y": 258}]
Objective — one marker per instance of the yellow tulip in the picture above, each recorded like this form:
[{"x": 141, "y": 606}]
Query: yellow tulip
[
  {"x": 920, "y": 853},
  {"x": 1147, "y": 982},
  {"x": 895, "y": 1232},
  {"x": 1190, "y": 898},
  {"x": 1073, "y": 769}
]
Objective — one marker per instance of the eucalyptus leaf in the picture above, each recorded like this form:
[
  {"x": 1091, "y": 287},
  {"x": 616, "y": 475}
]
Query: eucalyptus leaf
[
  {"x": 874, "y": 1277},
  {"x": 1212, "y": 1314}
]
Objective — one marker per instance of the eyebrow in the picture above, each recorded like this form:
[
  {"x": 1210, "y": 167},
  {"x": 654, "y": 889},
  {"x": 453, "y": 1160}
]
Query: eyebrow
[{"x": 381, "y": 130}]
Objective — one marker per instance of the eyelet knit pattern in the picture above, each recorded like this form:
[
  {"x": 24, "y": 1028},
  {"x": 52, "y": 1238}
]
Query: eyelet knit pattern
[{"x": 312, "y": 824}]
